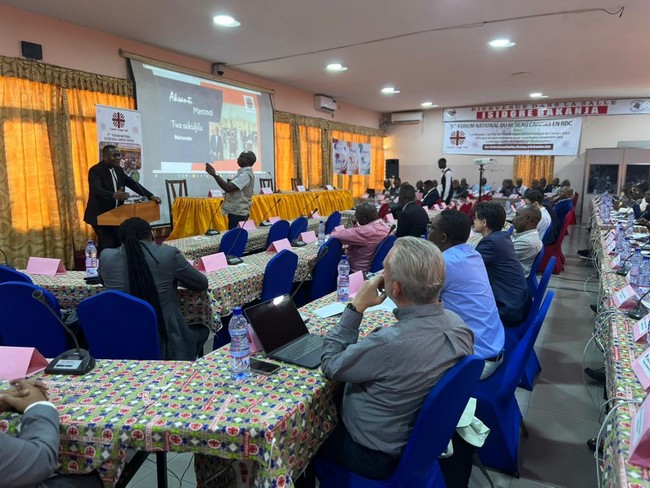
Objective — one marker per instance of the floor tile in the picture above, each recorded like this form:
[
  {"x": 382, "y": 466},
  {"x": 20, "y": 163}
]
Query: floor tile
[
  {"x": 559, "y": 430},
  {"x": 523, "y": 483},
  {"x": 557, "y": 466},
  {"x": 500, "y": 480}
]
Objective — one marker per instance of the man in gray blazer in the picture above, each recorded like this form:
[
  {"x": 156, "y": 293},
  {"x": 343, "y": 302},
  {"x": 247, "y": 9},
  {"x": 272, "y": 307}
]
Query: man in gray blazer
[{"x": 31, "y": 458}]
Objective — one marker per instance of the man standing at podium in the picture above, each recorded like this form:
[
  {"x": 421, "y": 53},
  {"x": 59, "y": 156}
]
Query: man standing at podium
[{"x": 106, "y": 183}]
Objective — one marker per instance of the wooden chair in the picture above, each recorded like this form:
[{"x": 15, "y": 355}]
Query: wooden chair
[
  {"x": 295, "y": 183},
  {"x": 175, "y": 189},
  {"x": 267, "y": 183}
]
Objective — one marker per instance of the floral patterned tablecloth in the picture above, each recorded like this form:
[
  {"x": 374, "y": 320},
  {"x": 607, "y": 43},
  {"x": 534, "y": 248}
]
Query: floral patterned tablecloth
[{"x": 620, "y": 350}]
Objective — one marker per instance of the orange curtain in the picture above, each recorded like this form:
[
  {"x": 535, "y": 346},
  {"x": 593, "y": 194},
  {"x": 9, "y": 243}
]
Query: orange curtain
[
  {"x": 284, "y": 163},
  {"x": 310, "y": 171},
  {"x": 530, "y": 168}
]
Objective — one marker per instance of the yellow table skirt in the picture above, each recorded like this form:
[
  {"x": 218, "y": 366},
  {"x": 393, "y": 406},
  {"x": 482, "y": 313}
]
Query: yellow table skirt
[{"x": 192, "y": 215}]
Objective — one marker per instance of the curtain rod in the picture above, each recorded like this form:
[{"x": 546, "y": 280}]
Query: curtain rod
[{"x": 194, "y": 72}]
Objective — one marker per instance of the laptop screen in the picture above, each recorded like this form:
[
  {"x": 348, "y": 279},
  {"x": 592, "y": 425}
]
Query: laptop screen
[{"x": 276, "y": 322}]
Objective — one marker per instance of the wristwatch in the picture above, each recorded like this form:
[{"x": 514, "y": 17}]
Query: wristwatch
[{"x": 350, "y": 306}]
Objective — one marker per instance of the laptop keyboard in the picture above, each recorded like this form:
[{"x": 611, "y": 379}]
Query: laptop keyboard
[{"x": 302, "y": 347}]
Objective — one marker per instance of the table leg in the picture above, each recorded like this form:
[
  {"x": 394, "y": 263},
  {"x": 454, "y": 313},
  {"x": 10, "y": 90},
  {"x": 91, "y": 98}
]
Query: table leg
[
  {"x": 131, "y": 468},
  {"x": 161, "y": 468}
]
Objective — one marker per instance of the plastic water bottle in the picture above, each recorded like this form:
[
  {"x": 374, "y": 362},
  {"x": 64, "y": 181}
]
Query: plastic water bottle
[
  {"x": 91, "y": 259},
  {"x": 629, "y": 229},
  {"x": 634, "y": 267},
  {"x": 240, "y": 368},
  {"x": 620, "y": 237},
  {"x": 627, "y": 246},
  {"x": 644, "y": 273},
  {"x": 343, "y": 281},
  {"x": 321, "y": 233}
]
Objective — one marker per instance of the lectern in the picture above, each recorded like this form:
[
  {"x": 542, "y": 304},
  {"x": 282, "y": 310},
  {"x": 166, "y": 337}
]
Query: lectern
[{"x": 149, "y": 211}]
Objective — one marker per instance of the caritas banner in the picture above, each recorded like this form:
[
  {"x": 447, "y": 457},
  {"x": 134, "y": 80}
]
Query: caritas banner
[
  {"x": 577, "y": 108},
  {"x": 559, "y": 137}
]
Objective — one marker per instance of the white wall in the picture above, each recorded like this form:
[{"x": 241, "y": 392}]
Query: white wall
[{"x": 418, "y": 148}]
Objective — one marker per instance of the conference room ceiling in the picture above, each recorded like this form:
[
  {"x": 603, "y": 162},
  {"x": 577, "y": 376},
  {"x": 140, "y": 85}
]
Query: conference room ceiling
[{"x": 432, "y": 50}]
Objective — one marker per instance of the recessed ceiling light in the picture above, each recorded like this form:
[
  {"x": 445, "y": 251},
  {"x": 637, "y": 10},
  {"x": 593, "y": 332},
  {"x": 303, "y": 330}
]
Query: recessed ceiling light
[
  {"x": 225, "y": 21},
  {"x": 538, "y": 95},
  {"x": 428, "y": 105},
  {"x": 501, "y": 43},
  {"x": 389, "y": 90},
  {"x": 336, "y": 67}
]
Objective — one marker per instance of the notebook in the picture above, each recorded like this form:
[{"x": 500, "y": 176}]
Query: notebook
[{"x": 283, "y": 333}]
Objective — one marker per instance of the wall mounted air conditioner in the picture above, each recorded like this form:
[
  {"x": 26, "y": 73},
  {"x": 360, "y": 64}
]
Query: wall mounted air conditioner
[
  {"x": 406, "y": 118},
  {"x": 323, "y": 103}
]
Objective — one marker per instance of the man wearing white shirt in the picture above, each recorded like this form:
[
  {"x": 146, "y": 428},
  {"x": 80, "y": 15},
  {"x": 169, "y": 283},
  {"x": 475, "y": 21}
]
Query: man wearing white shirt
[{"x": 536, "y": 198}]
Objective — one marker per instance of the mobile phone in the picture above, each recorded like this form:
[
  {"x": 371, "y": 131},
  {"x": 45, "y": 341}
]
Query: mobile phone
[{"x": 263, "y": 367}]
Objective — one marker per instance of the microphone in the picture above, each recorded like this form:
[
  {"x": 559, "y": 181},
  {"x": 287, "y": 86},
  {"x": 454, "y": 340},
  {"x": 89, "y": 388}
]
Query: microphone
[
  {"x": 321, "y": 254},
  {"x": 75, "y": 361},
  {"x": 639, "y": 311},
  {"x": 234, "y": 260},
  {"x": 311, "y": 215},
  {"x": 266, "y": 223},
  {"x": 211, "y": 231},
  {"x": 6, "y": 264},
  {"x": 304, "y": 209},
  {"x": 144, "y": 193}
]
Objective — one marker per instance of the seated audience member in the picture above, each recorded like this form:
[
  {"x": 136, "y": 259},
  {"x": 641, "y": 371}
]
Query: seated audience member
[
  {"x": 151, "y": 272},
  {"x": 486, "y": 188},
  {"x": 457, "y": 191},
  {"x": 386, "y": 190},
  {"x": 519, "y": 187},
  {"x": 419, "y": 186},
  {"x": 431, "y": 195},
  {"x": 467, "y": 289},
  {"x": 412, "y": 219},
  {"x": 383, "y": 391},
  {"x": 463, "y": 185},
  {"x": 506, "y": 188},
  {"x": 534, "y": 185},
  {"x": 394, "y": 189},
  {"x": 542, "y": 185},
  {"x": 535, "y": 197},
  {"x": 363, "y": 239},
  {"x": 526, "y": 238},
  {"x": 504, "y": 271},
  {"x": 553, "y": 187},
  {"x": 32, "y": 457},
  {"x": 564, "y": 203}
]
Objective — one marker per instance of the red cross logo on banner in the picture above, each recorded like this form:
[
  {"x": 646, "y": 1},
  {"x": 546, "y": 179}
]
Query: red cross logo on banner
[
  {"x": 457, "y": 137},
  {"x": 118, "y": 119}
]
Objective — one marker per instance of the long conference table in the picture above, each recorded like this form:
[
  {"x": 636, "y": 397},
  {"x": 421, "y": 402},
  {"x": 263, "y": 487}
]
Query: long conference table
[
  {"x": 617, "y": 337},
  {"x": 261, "y": 432},
  {"x": 193, "y": 216}
]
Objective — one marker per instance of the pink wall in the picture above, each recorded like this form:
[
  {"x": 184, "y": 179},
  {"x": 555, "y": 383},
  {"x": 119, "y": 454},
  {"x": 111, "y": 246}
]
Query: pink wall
[{"x": 75, "y": 47}]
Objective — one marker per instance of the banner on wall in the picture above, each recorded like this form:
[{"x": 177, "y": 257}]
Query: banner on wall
[
  {"x": 122, "y": 128},
  {"x": 577, "y": 108},
  {"x": 558, "y": 137},
  {"x": 350, "y": 158}
]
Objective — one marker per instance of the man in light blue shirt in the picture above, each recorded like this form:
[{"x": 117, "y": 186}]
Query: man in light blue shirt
[{"x": 467, "y": 289}]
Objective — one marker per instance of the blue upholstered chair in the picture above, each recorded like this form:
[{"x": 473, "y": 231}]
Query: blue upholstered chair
[
  {"x": 279, "y": 274},
  {"x": 234, "y": 242},
  {"x": 119, "y": 326},
  {"x": 298, "y": 226},
  {"x": 8, "y": 274},
  {"x": 435, "y": 425},
  {"x": 380, "y": 253},
  {"x": 333, "y": 220},
  {"x": 27, "y": 323},
  {"x": 497, "y": 406},
  {"x": 534, "y": 269},
  {"x": 279, "y": 230}
]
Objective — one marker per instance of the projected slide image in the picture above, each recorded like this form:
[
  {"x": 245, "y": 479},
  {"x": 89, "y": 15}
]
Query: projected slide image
[{"x": 131, "y": 161}]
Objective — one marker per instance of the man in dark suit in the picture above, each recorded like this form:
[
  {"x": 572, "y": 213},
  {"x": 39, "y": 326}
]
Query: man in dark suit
[
  {"x": 106, "y": 182},
  {"x": 412, "y": 220},
  {"x": 431, "y": 195},
  {"x": 216, "y": 144}
]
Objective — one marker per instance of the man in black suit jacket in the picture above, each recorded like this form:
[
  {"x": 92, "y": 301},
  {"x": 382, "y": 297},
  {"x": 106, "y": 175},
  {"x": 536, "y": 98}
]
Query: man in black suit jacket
[
  {"x": 431, "y": 195},
  {"x": 412, "y": 219},
  {"x": 216, "y": 144},
  {"x": 106, "y": 182}
]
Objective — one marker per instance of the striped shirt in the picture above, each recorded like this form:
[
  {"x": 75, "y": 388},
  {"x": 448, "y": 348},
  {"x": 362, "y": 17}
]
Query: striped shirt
[
  {"x": 391, "y": 371},
  {"x": 527, "y": 247}
]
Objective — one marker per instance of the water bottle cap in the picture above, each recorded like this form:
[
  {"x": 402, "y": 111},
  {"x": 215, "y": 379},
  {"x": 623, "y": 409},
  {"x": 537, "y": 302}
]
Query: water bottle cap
[
  {"x": 90, "y": 241},
  {"x": 236, "y": 311},
  {"x": 344, "y": 258}
]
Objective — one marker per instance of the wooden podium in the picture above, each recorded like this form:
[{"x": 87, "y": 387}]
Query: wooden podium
[{"x": 149, "y": 211}]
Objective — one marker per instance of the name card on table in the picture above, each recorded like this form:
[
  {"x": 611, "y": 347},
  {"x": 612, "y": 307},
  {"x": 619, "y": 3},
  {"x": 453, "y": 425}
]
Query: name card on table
[
  {"x": 611, "y": 235},
  {"x": 273, "y": 220},
  {"x": 419, "y": 196},
  {"x": 616, "y": 262},
  {"x": 365, "y": 196},
  {"x": 308, "y": 237},
  {"x": 45, "y": 266},
  {"x": 266, "y": 191},
  {"x": 329, "y": 187},
  {"x": 279, "y": 245},
  {"x": 611, "y": 247},
  {"x": 380, "y": 197},
  {"x": 254, "y": 341},
  {"x": 624, "y": 296},
  {"x": 520, "y": 203},
  {"x": 20, "y": 362},
  {"x": 212, "y": 262},
  {"x": 314, "y": 215},
  {"x": 640, "y": 329},
  {"x": 640, "y": 436},
  {"x": 436, "y": 206},
  {"x": 356, "y": 280},
  {"x": 425, "y": 208},
  {"x": 247, "y": 225},
  {"x": 443, "y": 205},
  {"x": 389, "y": 218},
  {"x": 300, "y": 188},
  {"x": 215, "y": 193},
  {"x": 641, "y": 367}
]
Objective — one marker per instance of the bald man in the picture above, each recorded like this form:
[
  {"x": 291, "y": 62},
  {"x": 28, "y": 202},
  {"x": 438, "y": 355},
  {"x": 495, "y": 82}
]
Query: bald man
[
  {"x": 564, "y": 203},
  {"x": 526, "y": 238},
  {"x": 362, "y": 239}
]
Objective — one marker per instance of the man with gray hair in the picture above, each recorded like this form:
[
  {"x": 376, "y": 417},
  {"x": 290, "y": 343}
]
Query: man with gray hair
[
  {"x": 389, "y": 373},
  {"x": 526, "y": 238}
]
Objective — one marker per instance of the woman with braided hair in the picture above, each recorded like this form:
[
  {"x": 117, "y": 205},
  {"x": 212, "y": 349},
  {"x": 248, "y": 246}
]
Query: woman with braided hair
[{"x": 150, "y": 272}]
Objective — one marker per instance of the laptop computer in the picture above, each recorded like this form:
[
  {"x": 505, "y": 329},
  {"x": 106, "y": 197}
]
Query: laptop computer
[{"x": 283, "y": 333}]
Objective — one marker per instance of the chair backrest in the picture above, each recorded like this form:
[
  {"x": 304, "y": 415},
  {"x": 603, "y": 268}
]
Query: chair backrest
[
  {"x": 511, "y": 230},
  {"x": 574, "y": 199},
  {"x": 279, "y": 230},
  {"x": 266, "y": 183},
  {"x": 325, "y": 272},
  {"x": 383, "y": 247},
  {"x": 383, "y": 210},
  {"x": 570, "y": 219},
  {"x": 515, "y": 360},
  {"x": 175, "y": 188},
  {"x": 298, "y": 226},
  {"x": 8, "y": 274},
  {"x": 234, "y": 242},
  {"x": 532, "y": 276},
  {"x": 466, "y": 208},
  {"x": 543, "y": 282},
  {"x": 119, "y": 326},
  {"x": 333, "y": 220},
  {"x": 295, "y": 182},
  {"x": 27, "y": 323},
  {"x": 437, "y": 421},
  {"x": 279, "y": 274}
]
